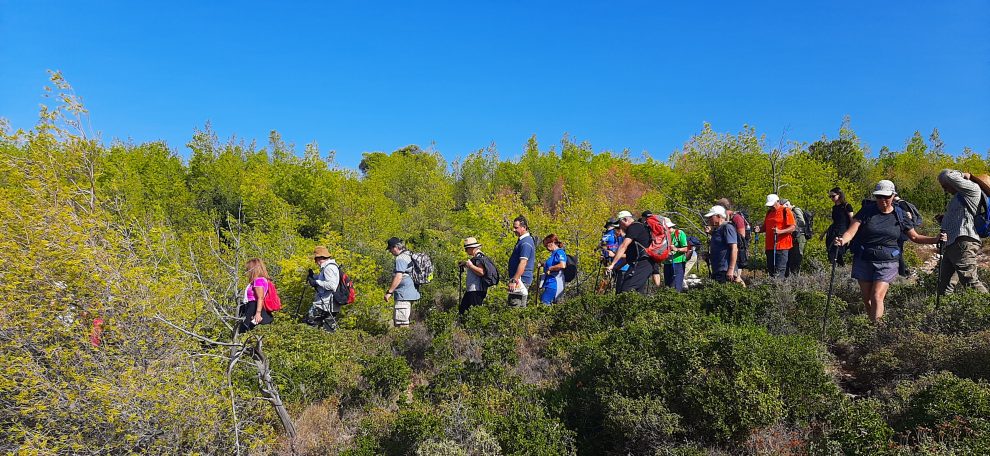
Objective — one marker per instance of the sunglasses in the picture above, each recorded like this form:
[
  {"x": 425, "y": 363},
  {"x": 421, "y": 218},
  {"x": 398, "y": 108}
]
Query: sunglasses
[{"x": 883, "y": 197}]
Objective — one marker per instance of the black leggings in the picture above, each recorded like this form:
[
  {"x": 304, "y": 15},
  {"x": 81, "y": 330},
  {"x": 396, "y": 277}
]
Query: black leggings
[
  {"x": 636, "y": 277},
  {"x": 471, "y": 299},
  {"x": 246, "y": 313}
]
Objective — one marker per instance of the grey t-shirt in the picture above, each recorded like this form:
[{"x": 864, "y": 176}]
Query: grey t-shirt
[
  {"x": 406, "y": 291},
  {"x": 472, "y": 280}
]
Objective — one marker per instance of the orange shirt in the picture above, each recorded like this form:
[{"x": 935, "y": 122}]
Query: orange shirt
[{"x": 781, "y": 217}]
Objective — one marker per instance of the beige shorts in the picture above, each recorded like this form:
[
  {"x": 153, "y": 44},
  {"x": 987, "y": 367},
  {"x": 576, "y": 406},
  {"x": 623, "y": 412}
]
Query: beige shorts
[{"x": 403, "y": 309}]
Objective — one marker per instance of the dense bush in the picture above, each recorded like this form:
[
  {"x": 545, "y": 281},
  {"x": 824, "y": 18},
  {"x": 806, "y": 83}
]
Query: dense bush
[{"x": 692, "y": 376}]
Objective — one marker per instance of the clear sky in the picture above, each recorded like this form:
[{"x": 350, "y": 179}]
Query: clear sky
[{"x": 368, "y": 76}]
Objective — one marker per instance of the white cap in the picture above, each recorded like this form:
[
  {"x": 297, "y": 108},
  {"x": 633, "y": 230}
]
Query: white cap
[
  {"x": 884, "y": 188},
  {"x": 772, "y": 199},
  {"x": 623, "y": 214},
  {"x": 716, "y": 210},
  {"x": 668, "y": 222}
]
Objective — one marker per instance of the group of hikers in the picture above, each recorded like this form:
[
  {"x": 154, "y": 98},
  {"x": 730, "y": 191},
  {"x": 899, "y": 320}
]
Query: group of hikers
[{"x": 635, "y": 250}]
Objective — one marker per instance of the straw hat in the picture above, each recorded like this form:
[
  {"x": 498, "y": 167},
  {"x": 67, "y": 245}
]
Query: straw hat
[
  {"x": 471, "y": 242},
  {"x": 321, "y": 252},
  {"x": 983, "y": 180}
]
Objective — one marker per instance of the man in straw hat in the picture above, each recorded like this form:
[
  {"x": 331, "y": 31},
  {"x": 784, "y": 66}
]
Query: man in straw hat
[
  {"x": 959, "y": 262},
  {"x": 475, "y": 290},
  {"x": 324, "y": 311}
]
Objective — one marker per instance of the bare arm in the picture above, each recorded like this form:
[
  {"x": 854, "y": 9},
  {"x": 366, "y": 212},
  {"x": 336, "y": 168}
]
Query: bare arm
[
  {"x": 259, "y": 293},
  {"x": 621, "y": 253},
  {"x": 396, "y": 280},
  {"x": 557, "y": 267},
  {"x": 848, "y": 235},
  {"x": 477, "y": 270},
  {"x": 733, "y": 256},
  {"x": 921, "y": 239}
]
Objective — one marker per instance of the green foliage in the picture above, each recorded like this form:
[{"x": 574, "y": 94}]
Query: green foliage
[{"x": 154, "y": 247}]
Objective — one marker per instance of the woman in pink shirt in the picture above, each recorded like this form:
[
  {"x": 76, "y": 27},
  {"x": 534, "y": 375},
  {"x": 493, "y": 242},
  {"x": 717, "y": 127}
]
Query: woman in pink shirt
[{"x": 252, "y": 311}]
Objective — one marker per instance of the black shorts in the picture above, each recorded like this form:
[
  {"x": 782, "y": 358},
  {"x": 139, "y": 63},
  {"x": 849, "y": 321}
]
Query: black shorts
[{"x": 656, "y": 268}]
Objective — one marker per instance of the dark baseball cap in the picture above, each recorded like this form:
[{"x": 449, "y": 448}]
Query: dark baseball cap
[{"x": 392, "y": 242}]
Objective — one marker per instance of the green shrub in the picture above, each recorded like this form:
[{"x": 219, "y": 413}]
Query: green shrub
[
  {"x": 711, "y": 379},
  {"x": 855, "y": 428},
  {"x": 386, "y": 375},
  {"x": 310, "y": 364}
]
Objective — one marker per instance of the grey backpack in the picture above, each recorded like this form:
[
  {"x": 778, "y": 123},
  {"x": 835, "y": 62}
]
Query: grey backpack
[{"x": 421, "y": 271}]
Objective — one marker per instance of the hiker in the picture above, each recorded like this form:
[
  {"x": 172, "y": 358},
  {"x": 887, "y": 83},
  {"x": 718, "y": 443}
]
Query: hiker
[
  {"x": 655, "y": 274},
  {"x": 252, "y": 309},
  {"x": 639, "y": 262},
  {"x": 778, "y": 225},
  {"x": 959, "y": 260},
  {"x": 521, "y": 263},
  {"x": 673, "y": 268},
  {"x": 874, "y": 232},
  {"x": 553, "y": 279},
  {"x": 610, "y": 240},
  {"x": 620, "y": 265},
  {"x": 796, "y": 255},
  {"x": 842, "y": 216},
  {"x": 723, "y": 248},
  {"x": 475, "y": 290},
  {"x": 692, "y": 255},
  {"x": 738, "y": 220},
  {"x": 324, "y": 311},
  {"x": 401, "y": 288}
]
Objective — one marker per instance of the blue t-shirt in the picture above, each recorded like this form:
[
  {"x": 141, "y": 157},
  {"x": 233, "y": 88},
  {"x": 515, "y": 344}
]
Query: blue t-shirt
[
  {"x": 406, "y": 291},
  {"x": 610, "y": 242},
  {"x": 721, "y": 246},
  {"x": 525, "y": 248},
  {"x": 556, "y": 257}
]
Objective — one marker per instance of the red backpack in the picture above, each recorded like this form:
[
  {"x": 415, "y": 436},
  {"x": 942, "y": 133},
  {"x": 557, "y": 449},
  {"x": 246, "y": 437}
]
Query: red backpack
[
  {"x": 660, "y": 248},
  {"x": 272, "y": 302}
]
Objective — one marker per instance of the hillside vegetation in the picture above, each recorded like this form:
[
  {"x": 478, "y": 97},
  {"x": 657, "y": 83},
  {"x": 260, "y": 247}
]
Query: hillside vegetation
[{"x": 142, "y": 250}]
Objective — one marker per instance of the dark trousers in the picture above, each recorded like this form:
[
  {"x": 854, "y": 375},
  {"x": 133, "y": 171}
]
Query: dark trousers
[
  {"x": 673, "y": 274},
  {"x": 471, "y": 299},
  {"x": 777, "y": 263},
  {"x": 721, "y": 276},
  {"x": 794, "y": 259},
  {"x": 636, "y": 277},
  {"x": 246, "y": 313}
]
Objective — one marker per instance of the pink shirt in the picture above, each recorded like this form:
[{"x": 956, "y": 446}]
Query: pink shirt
[{"x": 249, "y": 291}]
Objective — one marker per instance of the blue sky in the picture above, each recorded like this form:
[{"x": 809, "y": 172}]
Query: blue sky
[{"x": 368, "y": 76}]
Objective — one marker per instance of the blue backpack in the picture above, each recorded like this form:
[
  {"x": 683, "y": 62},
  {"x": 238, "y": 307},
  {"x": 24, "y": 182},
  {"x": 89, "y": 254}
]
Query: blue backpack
[{"x": 981, "y": 219}]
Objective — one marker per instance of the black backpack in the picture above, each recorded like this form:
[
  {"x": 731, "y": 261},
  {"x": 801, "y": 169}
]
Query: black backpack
[
  {"x": 344, "y": 294},
  {"x": 809, "y": 222},
  {"x": 914, "y": 220},
  {"x": 491, "y": 277},
  {"x": 571, "y": 270}
]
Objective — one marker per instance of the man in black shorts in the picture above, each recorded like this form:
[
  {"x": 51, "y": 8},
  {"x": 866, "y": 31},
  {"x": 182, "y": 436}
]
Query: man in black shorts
[{"x": 633, "y": 247}]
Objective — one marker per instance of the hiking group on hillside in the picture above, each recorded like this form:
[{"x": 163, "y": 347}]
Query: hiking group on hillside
[{"x": 635, "y": 250}]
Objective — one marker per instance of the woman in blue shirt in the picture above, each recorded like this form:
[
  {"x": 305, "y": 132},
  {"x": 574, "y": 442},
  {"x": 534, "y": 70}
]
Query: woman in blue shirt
[{"x": 553, "y": 280}]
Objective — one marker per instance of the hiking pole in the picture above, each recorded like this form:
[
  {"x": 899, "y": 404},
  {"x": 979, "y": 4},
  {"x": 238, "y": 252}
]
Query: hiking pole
[
  {"x": 938, "y": 270},
  {"x": 460, "y": 281},
  {"x": 302, "y": 295},
  {"x": 828, "y": 301}
]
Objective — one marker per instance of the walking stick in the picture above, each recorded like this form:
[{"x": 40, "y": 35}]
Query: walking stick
[
  {"x": 302, "y": 295},
  {"x": 460, "y": 281},
  {"x": 774, "y": 274},
  {"x": 938, "y": 273},
  {"x": 828, "y": 301}
]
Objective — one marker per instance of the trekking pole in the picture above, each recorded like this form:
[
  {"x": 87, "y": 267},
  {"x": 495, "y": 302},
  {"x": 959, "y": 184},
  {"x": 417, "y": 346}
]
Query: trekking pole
[
  {"x": 938, "y": 271},
  {"x": 460, "y": 280},
  {"x": 302, "y": 294},
  {"x": 828, "y": 301},
  {"x": 537, "y": 283}
]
